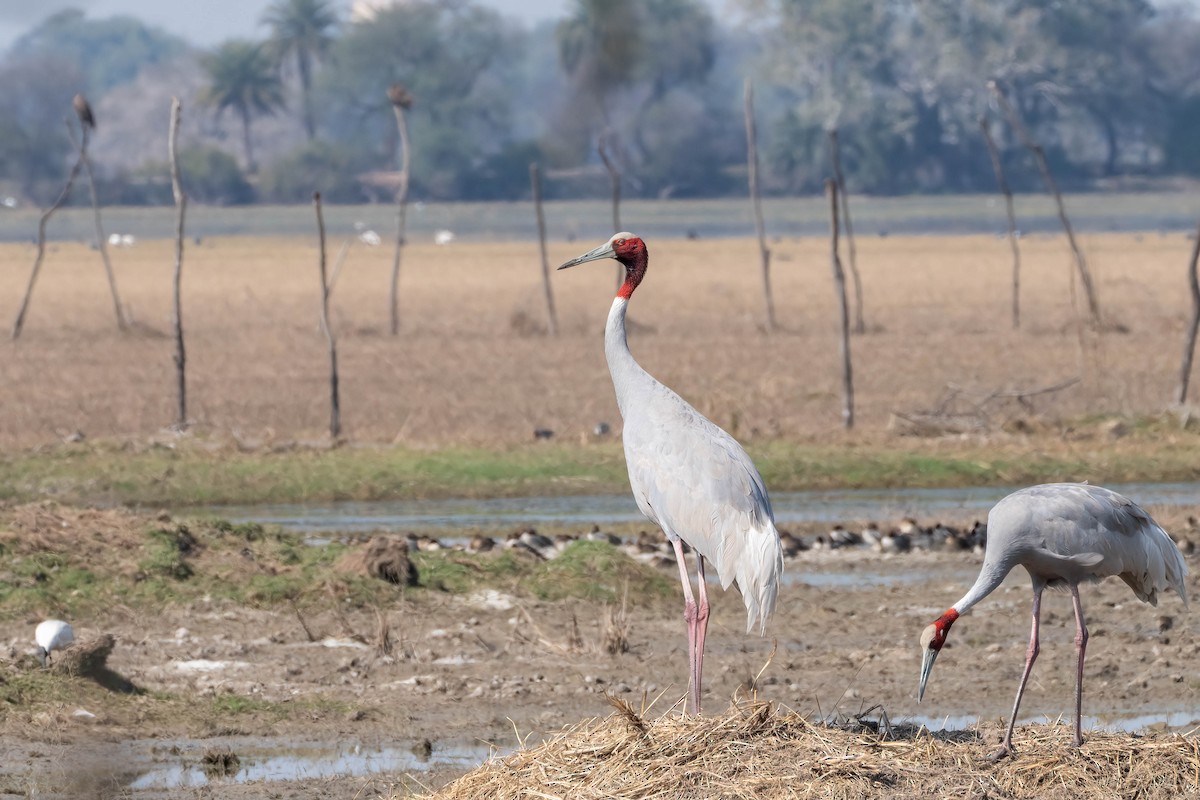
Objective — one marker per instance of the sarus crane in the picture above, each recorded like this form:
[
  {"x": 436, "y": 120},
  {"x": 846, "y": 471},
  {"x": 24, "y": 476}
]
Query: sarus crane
[
  {"x": 1064, "y": 534},
  {"x": 689, "y": 477}
]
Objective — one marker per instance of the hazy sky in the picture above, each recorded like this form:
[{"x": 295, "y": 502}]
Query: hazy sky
[{"x": 206, "y": 22}]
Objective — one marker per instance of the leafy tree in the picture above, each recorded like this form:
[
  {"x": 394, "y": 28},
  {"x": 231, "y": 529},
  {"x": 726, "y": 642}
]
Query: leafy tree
[
  {"x": 107, "y": 52},
  {"x": 457, "y": 58},
  {"x": 35, "y": 97},
  {"x": 331, "y": 169},
  {"x": 599, "y": 45},
  {"x": 210, "y": 175},
  {"x": 241, "y": 77},
  {"x": 302, "y": 30}
]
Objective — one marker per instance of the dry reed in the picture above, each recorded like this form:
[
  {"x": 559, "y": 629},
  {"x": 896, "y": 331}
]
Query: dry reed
[{"x": 753, "y": 750}]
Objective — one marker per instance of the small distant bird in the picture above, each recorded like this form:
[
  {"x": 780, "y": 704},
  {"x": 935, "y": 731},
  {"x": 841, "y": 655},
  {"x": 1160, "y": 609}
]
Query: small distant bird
[
  {"x": 370, "y": 238},
  {"x": 481, "y": 544},
  {"x": 83, "y": 110},
  {"x": 443, "y": 237},
  {"x": 1064, "y": 534},
  {"x": 543, "y": 433},
  {"x": 51, "y": 635},
  {"x": 840, "y": 537},
  {"x": 597, "y": 535},
  {"x": 400, "y": 96},
  {"x": 602, "y": 429},
  {"x": 688, "y": 476}
]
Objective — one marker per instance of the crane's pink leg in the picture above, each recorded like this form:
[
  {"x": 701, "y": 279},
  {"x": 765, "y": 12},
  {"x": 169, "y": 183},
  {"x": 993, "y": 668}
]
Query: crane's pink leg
[
  {"x": 1081, "y": 639},
  {"x": 701, "y": 626},
  {"x": 1006, "y": 749},
  {"x": 690, "y": 617}
]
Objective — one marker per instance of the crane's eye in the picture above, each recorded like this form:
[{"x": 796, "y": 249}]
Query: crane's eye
[{"x": 620, "y": 242}]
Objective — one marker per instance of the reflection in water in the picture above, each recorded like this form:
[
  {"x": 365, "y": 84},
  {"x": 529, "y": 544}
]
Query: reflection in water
[
  {"x": 264, "y": 760},
  {"x": 823, "y": 506}
]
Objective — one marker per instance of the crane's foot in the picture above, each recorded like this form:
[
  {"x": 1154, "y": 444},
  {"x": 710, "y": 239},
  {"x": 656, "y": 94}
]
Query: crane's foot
[
  {"x": 1006, "y": 751},
  {"x": 1078, "y": 740}
]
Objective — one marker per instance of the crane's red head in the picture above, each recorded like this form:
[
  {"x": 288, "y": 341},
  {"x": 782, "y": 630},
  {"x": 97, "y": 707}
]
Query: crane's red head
[
  {"x": 626, "y": 248},
  {"x": 932, "y": 639}
]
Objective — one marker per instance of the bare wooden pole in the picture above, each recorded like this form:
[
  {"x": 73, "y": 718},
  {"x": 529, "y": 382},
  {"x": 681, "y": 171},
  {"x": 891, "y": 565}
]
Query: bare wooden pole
[
  {"x": 1002, "y": 182},
  {"x": 1189, "y": 345},
  {"x": 756, "y": 201},
  {"x": 1085, "y": 275},
  {"x": 338, "y": 262},
  {"x": 101, "y": 241},
  {"x": 839, "y": 280},
  {"x": 19, "y": 322},
  {"x": 835, "y": 156},
  {"x": 181, "y": 420},
  {"x": 603, "y": 145},
  {"x": 335, "y": 413},
  {"x": 401, "y": 100},
  {"x": 535, "y": 180}
]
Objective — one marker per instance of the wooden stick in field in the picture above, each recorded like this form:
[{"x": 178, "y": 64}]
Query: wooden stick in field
[
  {"x": 335, "y": 413},
  {"x": 338, "y": 263},
  {"x": 181, "y": 420},
  {"x": 1189, "y": 345},
  {"x": 998, "y": 168},
  {"x": 535, "y": 180},
  {"x": 756, "y": 201},
  {"x": 88, "y": 123},
  {"x": 835, "y": 155},
  {"x": 19, "y": 322},
  {"x": 839, "y": 280},
  {"x": 1085, "y": 275},
  {"x": 401, "y": 99}
]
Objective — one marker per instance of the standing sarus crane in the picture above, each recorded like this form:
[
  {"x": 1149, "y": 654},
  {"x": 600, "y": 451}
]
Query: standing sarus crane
[
  {"x": 1064, "y": 534},
  {"x": 688, "y": 476}
]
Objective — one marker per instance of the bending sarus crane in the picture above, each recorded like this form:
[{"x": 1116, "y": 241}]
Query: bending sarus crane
[
  {"x": 688, "y": 476},
  {"x": 1064, "y": 534}
]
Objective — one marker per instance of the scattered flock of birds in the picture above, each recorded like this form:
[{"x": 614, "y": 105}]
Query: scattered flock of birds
[
  {"x": 697, "y": 484},
  {"x": 652, "y": 547},
  {"x": 365, "y": 235},
  {"x": 372, "y": 239}
]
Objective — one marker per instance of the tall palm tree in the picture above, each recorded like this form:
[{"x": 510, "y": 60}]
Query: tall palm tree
[
  {"x": 301, "y": 29},
  {"x": 242, "y": 77}
]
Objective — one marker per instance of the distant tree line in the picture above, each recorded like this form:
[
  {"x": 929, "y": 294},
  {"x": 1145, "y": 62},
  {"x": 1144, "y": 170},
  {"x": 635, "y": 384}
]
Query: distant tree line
[{"x": 1111, "y": 89}]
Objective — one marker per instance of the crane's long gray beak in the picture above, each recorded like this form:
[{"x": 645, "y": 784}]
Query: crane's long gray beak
[
  {"x": 603, "y": 251},
  {"x": 926, "y": 668}
]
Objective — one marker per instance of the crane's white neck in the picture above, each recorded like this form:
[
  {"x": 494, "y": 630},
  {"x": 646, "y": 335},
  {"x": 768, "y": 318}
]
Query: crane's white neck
[
  {"x": 624, "y": 369},
  {"x": 991, "y": 575}
]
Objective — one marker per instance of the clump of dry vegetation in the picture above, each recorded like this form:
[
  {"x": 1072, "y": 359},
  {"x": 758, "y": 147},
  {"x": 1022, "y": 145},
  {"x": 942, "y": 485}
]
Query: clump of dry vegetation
[{"x": 753, "y": 750}]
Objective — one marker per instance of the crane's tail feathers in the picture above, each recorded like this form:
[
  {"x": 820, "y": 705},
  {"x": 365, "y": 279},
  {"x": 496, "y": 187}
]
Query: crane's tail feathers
[
  {"x": 1163, "y": 568},
  {"x": 758, "y": 572}
]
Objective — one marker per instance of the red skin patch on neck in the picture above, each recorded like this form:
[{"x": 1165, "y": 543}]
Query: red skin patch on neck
[
  {"x": 632, "y": 255},
  {"x": 942, "y": 625}
]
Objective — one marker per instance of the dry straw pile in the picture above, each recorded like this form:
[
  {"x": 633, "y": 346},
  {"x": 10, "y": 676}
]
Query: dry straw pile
[{"x": 755, "y": 751}]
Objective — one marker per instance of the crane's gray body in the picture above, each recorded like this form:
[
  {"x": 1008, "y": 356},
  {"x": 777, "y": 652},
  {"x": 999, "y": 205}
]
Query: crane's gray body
[
  {"x": 694, "y": 480},
  {"x": 1070, "y": 533}
]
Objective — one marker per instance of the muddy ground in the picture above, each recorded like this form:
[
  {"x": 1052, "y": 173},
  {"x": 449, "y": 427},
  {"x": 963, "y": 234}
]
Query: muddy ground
[{"x": 498, "y": 668}]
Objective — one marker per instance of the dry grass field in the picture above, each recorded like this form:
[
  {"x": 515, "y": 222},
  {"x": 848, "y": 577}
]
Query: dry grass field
[{"x": 472, "y": 365}]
